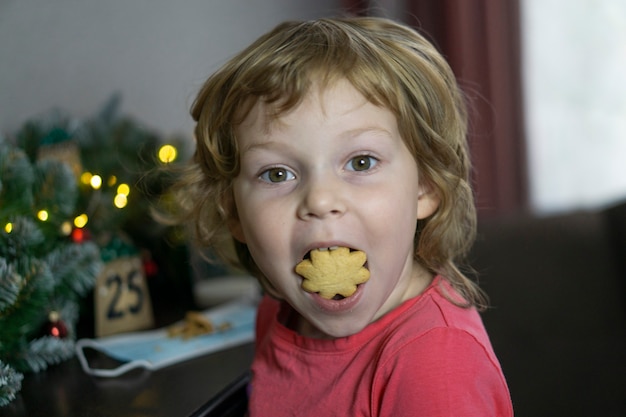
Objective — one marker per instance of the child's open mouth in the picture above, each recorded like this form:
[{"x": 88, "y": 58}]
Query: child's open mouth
[{"x": 334, "y": 273}]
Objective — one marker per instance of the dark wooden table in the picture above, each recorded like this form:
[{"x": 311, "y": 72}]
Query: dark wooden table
[{"x": 178, "y": 390}]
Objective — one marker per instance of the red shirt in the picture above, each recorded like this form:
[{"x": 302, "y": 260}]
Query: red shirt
[{"x": 427, "y": 357}]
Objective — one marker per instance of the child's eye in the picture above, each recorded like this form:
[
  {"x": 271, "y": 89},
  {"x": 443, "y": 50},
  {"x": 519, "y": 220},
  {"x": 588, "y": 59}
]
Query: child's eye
[
  {"x": 277, "y": 175},
  {"x": 362, "y": 163}
]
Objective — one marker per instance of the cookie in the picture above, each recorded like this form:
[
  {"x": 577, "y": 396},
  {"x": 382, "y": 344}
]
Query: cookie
[
  {"x": 195, "y": 324},
  {"x": 331, "y": 272}
]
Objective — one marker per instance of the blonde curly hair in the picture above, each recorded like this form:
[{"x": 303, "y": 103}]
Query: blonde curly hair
[{"x": 392, "y": 66}]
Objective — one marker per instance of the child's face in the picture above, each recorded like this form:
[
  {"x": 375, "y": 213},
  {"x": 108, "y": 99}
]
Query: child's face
[{"x": 334, "y": 171}]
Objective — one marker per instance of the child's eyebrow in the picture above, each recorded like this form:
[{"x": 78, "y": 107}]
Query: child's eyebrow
[
  {"x": 365, "y": 130},
  {"x": 263, "y": 144}
]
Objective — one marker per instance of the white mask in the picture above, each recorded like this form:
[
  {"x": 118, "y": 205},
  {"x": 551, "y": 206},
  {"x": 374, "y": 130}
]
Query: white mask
[{"x": 153, "y": 349}]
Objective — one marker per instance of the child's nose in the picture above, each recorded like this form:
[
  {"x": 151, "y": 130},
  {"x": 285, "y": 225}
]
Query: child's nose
[{"x": 321, "y": 198}]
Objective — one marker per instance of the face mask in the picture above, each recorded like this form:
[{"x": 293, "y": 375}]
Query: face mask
[{"x": 154, "y": 349}]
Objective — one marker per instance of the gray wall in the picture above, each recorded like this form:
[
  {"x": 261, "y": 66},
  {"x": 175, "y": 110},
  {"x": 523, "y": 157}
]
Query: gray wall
[{"x": 74, "y": 54}]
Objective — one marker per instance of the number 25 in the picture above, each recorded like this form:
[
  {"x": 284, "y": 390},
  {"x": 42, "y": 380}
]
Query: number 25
[{"x": 115, "y": 310}]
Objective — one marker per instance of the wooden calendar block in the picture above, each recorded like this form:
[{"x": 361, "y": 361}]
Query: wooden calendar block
[{"x": 121, "y": 298}]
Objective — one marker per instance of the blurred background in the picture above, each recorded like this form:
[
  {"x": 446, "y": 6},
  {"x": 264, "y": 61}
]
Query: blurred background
[
  {"x": 547, "y": 87},
  {"x": 545, "y": 75}
]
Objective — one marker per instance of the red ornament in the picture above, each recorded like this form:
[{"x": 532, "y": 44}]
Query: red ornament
[
  {"x": 80, "y": 235},
  {"x": 150, "y": 268},
  {"x": 55, "y": 326}
]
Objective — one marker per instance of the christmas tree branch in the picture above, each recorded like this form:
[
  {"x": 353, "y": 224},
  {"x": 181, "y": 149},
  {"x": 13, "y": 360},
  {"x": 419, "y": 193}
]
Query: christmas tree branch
[{"x": 10, "y": 383}]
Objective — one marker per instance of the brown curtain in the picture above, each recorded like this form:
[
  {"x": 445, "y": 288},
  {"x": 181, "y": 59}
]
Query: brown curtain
[{"x": 481, "y": 40}]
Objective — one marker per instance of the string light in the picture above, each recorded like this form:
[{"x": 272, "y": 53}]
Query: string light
[
  {"x": 121, "y": 198},
  {"x": 112, "y": 181},
  {"x": 66, "y": 228},
  {"x": 167, "y": 154},
  {"x": 96, "y": 182},
  {"x": 42, "y": 215},
  {"x": 8, "y": 227},
  {"x": 81, "y": 221},
  {"x": 120, "y": 201},
  {"x": 85, "y": 177},
  {"x": 123, "y": 189}
]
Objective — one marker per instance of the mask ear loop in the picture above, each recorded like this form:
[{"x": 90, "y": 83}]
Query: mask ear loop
[{"x": 106, "y": 373}]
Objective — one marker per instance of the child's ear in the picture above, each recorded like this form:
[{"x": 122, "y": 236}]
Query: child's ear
[{"x": 427, "y": 201}]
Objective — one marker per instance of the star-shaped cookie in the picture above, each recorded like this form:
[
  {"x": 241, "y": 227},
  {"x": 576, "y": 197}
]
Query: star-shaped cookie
[{"x": 332, "y": 272}]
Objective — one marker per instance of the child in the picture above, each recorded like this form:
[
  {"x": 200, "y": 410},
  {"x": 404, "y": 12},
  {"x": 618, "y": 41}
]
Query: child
[{"x": 347, "y": 133}]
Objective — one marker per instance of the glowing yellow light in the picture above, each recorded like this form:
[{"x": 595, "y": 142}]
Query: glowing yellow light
[
  {"x": 112, "y": 181},
  {"x": 66, "y": 228},
  {"x": 167, "y": 154},
  {"x": 42, "y": 215},
  {"x": 85, "y": 178},
  {"x": 120, "y": 201},
  {"x": 123, "y": 189},
  {"x": 96, "y": 182},
  {"x": 8, "y": 227},
  {"x": 81, "y": 221}
]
